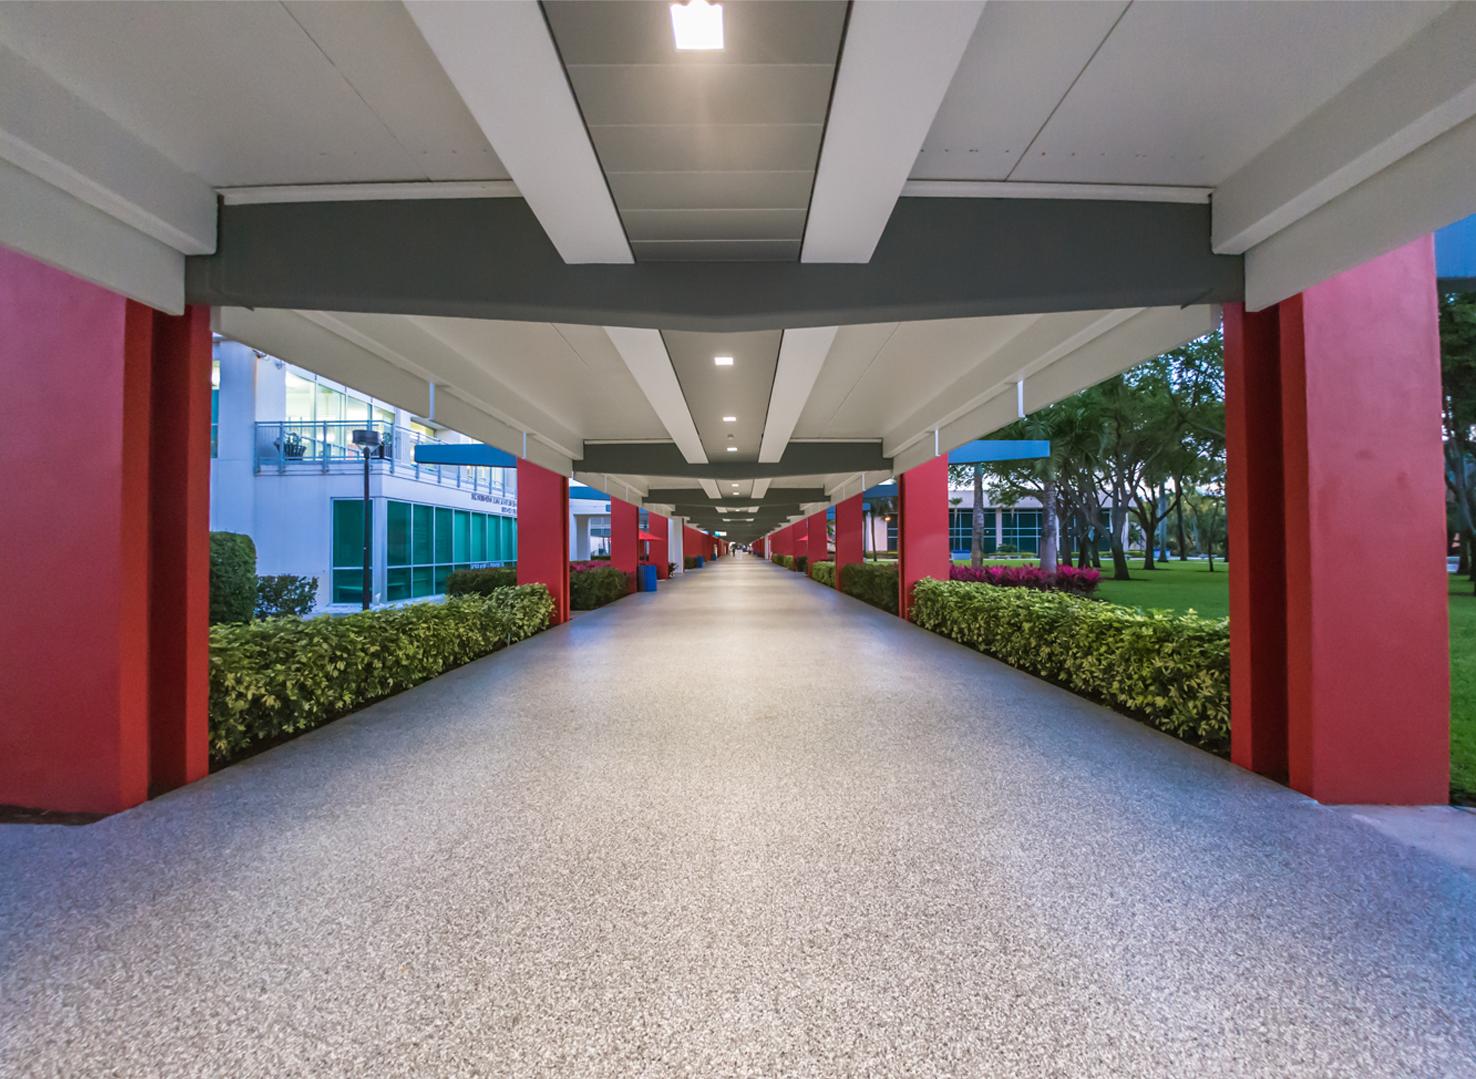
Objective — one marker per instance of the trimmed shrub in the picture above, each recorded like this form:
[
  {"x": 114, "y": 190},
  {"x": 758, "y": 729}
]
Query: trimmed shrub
[
  {"x": 801, "y": 563},
  {"x": 232, "y": 577},
  {"x": 824, "y": 572},
  {"x": 282, "y": 595},
  {"x": 593, "y": 585},
  {"x": 1171, "y": 670},
  {"x": 777, "y": 559},
  {"x": 785, "y": 560},
  {"x": 480, "y": 582},
  {"x": 1082, "y": 582},
  {"x": 690, "y": 561},
  {"x": 872, "y": 582},
  {"x": 280, "y": 677}
]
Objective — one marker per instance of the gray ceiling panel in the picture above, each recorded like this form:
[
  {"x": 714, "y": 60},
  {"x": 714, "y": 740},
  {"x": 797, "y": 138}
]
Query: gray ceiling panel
[
  {"x": 774, "y": 32},
  {"x": 713, "y": 392},
  {"x": 705, "y": 94},
  {"x": 733, "y": 129},
  {"x": 707, "y": 147},
  {"x": 716, "y": 250},
  {"x": 711, "y": 190},
  {"x": 712, "y": 224}
]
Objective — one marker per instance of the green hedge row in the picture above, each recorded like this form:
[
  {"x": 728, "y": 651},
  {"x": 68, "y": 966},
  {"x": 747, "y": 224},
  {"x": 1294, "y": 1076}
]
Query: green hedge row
[
  {"x": 824, "y": 572},
  {"x": 873, "y": 582},
  {"x": 785, "y": 560},
  {"x": 592, "y": 588},
  {"x": 1172, "y": 670},
  {"x": 282, "y": 676},
  {"x": 481, "y": 582},
  {"x": 232, "y": 577}
]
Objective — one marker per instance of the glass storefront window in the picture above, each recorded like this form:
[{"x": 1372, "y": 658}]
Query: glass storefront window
[{"x": 424, "y": 544}]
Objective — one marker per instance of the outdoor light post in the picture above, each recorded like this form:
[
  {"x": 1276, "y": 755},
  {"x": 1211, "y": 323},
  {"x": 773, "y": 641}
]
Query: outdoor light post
[{"x": 367, "y": 439}]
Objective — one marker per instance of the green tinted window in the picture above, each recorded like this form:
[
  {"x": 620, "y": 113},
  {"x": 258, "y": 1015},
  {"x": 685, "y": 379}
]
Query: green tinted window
[
  {"x": 348, "y": 532},
  {"x": 461, "y": 549},
  {"x": 397, "y": 519},
  {"x": 422, "y": 547},
  {"x": 444, "y": 544},
  {"x": 479, "y": 537}
]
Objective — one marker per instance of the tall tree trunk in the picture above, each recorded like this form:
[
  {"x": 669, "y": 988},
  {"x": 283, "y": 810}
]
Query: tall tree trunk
[
  {"x": 1179, "y": 512},
  {"x": 976, "y": 538},
  {"x": 1049, "y": 532},
  {"x": 1119, "y": 526}
]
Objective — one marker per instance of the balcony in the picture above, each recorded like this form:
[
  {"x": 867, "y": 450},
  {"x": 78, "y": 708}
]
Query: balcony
[{"x": 328, "y": 446}]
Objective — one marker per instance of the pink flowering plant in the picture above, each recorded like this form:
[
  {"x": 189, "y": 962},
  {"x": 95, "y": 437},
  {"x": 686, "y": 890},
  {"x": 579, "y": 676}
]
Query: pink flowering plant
[{"x": 1081, "y": 582}]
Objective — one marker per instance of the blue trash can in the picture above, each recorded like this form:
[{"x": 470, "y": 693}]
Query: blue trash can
[
  {"x": 646, "y": 578},
  {"x": 700, "y": 561}
]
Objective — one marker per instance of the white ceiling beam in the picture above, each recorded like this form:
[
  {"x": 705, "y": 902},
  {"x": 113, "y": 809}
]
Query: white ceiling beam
[
  {"x": 710, "y": 488},
  {"x": 377, "y": 192},
  {"x": 644, "y": 353},
  {"x": 502, "y": 61},
  {"x": 802, "y": 354},
  {"x": 1025, "y": 189},
  {"x": 1417, "y": 93},
  {"x": 48, "y": 224},
  {"x": 897, "y": 64},
  {"x": 49, "y": 132},
  {"x": 1145, "y": 333},
  {"x": 1424, "y": 191},
  {"x": 760, "y": 488}
]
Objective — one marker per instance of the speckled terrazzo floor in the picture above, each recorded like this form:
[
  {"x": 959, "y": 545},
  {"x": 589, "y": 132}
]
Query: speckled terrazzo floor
[{"x": 742, "y": 826}]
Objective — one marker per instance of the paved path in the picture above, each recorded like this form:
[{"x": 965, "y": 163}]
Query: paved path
[{"x": 746, "y": 826}]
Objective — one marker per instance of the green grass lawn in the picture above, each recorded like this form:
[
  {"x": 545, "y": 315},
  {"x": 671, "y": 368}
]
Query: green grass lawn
[{"x": 1179, "y": 586}]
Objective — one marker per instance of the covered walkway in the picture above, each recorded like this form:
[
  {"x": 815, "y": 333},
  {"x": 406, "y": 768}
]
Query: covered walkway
[{"x": 745, "y": 824}]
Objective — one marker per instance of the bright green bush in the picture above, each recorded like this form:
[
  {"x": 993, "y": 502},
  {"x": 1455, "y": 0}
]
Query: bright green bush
[
  {"x": 278, "y": 677},
  {"x": 1172, "y": 670},
  {"x": 873, "y": 582},
  {"x": 480, "y": 582},
  {"x": 283, "y": 595},
  {"x": 232, "y": 577},
  {"x": 824, "y": 572},
  {"x": 592, "y": 588},
  {"x": 787, "y": 561}
]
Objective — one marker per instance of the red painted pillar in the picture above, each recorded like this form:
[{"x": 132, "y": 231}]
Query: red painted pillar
[
  {"x": 625, "y": 540},
  {"x": 819, "y": 538},
  {"x": 659, "y": 527},
  {"x": 103, "y": 664},
  {"x": 1357, "y": 704},
  {"x": 801, "y": 532},
  {"x": 922, "y": 532},
  {"x": 543, "y": 533},
  {"x": 848, "y": 526}
]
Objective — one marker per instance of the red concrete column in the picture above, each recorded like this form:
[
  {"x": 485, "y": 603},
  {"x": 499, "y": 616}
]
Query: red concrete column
[
  {"x": 848, "y": 527},
  {"x": 659, "y": 527},
  {"x": 103, "y": 666},
  {"x": 1255, "y": 517},
  {"x": 1364, "y": 715},
  {"x": 625, "y": 540},
  {"x": 819, "y": 537},
  {"x": 543, "y": 533},
  {"x": 922, "y": 531},
  {"x": 800, "y": 530}
]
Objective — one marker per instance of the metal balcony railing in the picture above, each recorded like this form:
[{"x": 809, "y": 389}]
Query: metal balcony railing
[{"x": 287, "y": 445}]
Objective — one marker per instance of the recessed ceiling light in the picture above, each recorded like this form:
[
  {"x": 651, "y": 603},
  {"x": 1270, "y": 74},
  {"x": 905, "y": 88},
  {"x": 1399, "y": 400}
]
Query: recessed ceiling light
[
  {"x": 730, "y": 419},
  {"x": 723, "y": 361},
  {"x": 697, "y": 25},
  {"x": 732, "y": 449}
]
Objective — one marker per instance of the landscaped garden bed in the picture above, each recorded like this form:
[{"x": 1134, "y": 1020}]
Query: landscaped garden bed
[
  {"x": 1173, "y": 671},
  {"x": 283, "y": 676}
]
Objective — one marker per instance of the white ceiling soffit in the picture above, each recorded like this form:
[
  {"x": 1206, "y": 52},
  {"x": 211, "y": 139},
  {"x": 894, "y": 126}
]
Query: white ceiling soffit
[
  {"x": 898, "y": 61},
  {"x": 619, "y": 487},
  {"x": 710, "y": 488},
  {"x": 802, "y": 353},
  {"x": 644, "y": 352},
  {"x": 1414, "y": 95},
  {"x": 1021, "y": 189},
  {"x": 330, "y": 346},
  {"x": 46, "y": 223},
  {"x": 760, "y": 488},
  {"x": 502, "y": 62},
  {"x": 1145, "y": 333},
  {"x": 51, "y": 133},
  {"x": 386, "y": 192}
]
